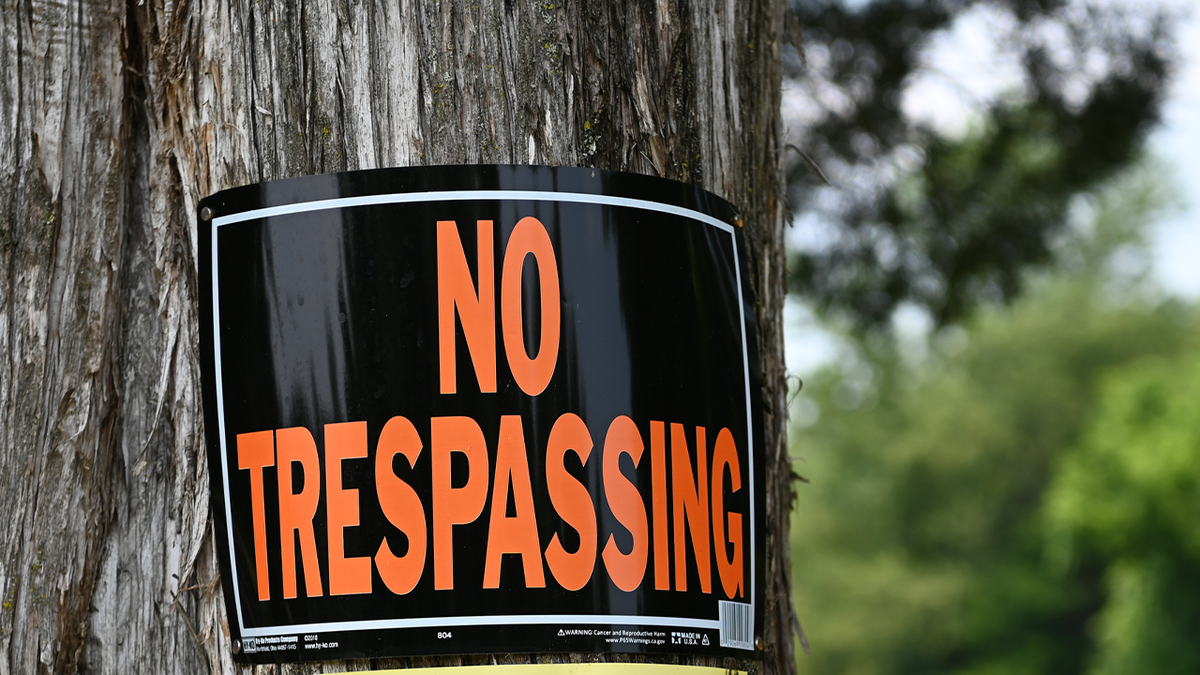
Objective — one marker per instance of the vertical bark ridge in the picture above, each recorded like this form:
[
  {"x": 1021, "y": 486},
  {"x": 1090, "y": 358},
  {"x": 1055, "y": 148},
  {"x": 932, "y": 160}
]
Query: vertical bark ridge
[{"x": 60, "y": 247}]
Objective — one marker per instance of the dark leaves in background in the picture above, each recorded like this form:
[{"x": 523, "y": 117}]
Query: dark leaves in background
[{"x": 942, "y": 223}]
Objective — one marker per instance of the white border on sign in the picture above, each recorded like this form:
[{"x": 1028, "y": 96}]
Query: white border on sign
[{"x": 456, "y": 196}]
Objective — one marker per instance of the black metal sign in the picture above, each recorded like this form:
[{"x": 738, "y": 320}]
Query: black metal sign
[{"x": 481, "y": 409}]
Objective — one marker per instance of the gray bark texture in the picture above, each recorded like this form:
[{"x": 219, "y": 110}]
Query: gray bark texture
[{"x": 117, "y": 117}]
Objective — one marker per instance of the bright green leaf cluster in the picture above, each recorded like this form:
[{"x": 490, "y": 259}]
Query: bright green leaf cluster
[{"x": 1127, "y": 499}]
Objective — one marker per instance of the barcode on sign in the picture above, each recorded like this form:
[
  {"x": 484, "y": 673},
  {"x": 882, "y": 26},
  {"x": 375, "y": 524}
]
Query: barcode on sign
[{"x": 737, "y": 625}]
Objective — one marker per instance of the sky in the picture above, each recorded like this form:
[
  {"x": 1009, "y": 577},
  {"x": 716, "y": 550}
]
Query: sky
[
  {"x": 1176, "y": 243},
  {"x": 961, "y": 67}
]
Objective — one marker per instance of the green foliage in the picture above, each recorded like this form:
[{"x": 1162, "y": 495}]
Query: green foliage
[
  {"x": 921, "y": 544},
  {"x": 1127, "y": 500}
]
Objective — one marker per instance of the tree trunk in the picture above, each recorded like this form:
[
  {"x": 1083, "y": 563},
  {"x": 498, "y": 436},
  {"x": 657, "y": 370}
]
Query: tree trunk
[{"x": 115, "y": 118}]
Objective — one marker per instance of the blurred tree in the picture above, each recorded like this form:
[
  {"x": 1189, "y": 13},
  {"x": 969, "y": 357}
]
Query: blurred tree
[
  {"x": 919, "y": 547},
  {"x": 918, "y": 215}
]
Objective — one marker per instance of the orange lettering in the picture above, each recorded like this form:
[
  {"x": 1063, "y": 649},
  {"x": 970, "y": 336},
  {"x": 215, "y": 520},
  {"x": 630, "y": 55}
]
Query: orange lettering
[
  {"x": 658, "y": 477},
  {"x": 572, "y": 501},
  {"x": 529, "y": 236},
  {"x": 401, "y": 506},
  {"x": 690, "y": 502},
  {"x": 626, "y": 570},
  {"x": 455, "y": 506},
  {"x": 255, "y": 451},
  {"x": 517, "y": 534},
  {"x": 296, "y": 511},
  {"x": 347, "y": 576},
  {"x": 477, "y": 312},
  {"x": 730, "y": 570}
]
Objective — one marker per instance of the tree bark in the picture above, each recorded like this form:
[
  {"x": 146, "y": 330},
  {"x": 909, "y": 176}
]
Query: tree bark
[{"x": 116, "y": 118}]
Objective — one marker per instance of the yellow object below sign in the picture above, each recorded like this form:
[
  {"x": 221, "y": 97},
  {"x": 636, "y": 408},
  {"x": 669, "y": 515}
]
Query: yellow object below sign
[{"x": 564, "y": 669}]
